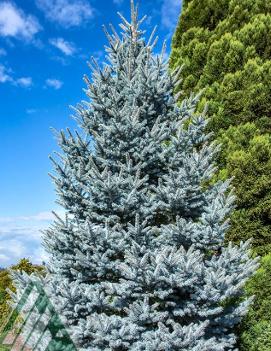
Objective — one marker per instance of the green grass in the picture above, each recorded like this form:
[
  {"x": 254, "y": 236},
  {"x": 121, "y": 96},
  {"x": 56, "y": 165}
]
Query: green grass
[{"x": 4, "y": 348}]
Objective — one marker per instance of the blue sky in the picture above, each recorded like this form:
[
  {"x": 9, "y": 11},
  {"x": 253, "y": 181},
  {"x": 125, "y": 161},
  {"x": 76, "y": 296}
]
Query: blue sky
[{"x": 44, "y": 47}]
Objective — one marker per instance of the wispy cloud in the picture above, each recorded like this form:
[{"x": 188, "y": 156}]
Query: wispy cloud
[
  {"x": 41, "y": 216},
  {"x": 67, "y": 13},
  {"x": 66, "y": 47},
  {"x": 118, "y": 2},
  {"x": 25, "y": 82},
  {"x": 21, "y": 237},
  {"x": 54, "y": 83},
  {"x": 4, "y": 75},
  {"x": 15, "y": 23},
  {"x": 170, "y": 12}
]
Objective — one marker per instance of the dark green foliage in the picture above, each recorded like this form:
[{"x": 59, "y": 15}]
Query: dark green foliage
[
  {"x": 4, "y": 283},
  {"x": 246, "y": 156},
  {"x": 224, "y": 47},
  {"x": 256, "y": 328}
]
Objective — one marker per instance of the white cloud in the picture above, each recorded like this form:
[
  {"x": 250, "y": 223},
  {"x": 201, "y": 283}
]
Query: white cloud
[
  {"x": 170, "y": 13},
  {"x": 40, "y": 255},
  {"x": 54, "y": 83},
  {"x": 66, "y": 47},
  {"x": 12, "y": 247},
  {"x": 20, "y": 236},
  {"x": 15, "y": 23},
  {"x": 25, "y": 82},
  {"x": 4, "y": 75},
  {"x": 4, "y": 258},
  {"x": 41, "y": 216},
  {"x": 67, "y": 13},
  {"x": 3, "y": 52}
]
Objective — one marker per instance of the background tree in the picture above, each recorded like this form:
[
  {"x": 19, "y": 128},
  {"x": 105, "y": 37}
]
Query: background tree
[
  {"x": 225, "y": 50},
  {"x": 139, "y": 263},
  {"x": 24, "y": 265},
  {"x": 246, "y": 156},
  {"x": 256, "y": 328}
]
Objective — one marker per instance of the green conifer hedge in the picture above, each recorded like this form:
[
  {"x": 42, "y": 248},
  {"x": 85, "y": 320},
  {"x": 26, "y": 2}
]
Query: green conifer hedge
[{"x": 224, "y": 47}]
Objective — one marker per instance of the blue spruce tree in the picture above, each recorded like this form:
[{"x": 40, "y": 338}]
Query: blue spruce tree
[{"x": 139, "y": 262}]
